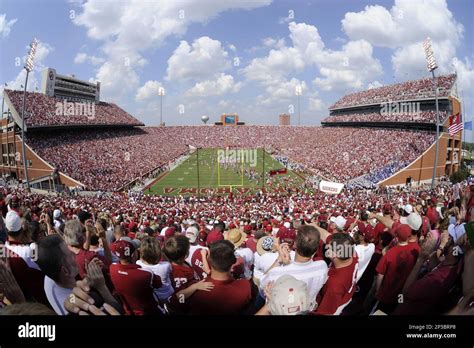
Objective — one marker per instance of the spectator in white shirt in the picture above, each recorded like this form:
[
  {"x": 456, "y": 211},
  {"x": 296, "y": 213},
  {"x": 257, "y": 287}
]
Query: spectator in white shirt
[
  {"x": 313, "y": 273},
  {"x": 150, "y": 259},
  {"x": 60, "y": 268}
]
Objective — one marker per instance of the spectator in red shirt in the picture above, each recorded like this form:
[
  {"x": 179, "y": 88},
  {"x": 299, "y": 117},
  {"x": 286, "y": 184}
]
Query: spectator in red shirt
[
  {"x": 229, "y": 296},
  {"x": 21, "y": 251},
  {"x": 430, "y": 293},
  {"x": 393, "y": 269},
  {"x": 184, "y": 279},
  {"x": 75, "y": 239},
  {"x": 340, "y": 286},
  {"x": 135, "y": 285}
]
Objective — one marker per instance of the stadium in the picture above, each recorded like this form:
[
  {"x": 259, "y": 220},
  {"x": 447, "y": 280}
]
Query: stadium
[
  {"x": 343, "y": 196},
  {"x": 104, "y": 144}
]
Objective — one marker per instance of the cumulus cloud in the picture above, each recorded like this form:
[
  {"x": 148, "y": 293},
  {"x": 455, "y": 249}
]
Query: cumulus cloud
[
  {"x": 84, "y": 58},
  {"x": 6, "y": 25},
  {"x": 128, "y": 28},
  {"x": 223, "y": 84},
  {"x": 148, "y": 90},
  {"x": 203, "y": 58}
]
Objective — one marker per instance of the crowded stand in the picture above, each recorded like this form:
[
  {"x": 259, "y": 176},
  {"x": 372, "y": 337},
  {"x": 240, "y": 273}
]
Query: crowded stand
[
  {"x": 108, "y": 159},
  {"x": 43, "y": 110},
  {"x": 410, "y": 90},
  {"x": 354, "y": 253},
  {"x": 420, "y": 117}
]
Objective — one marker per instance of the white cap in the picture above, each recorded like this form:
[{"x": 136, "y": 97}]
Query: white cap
[
  {"x": 192, "y": 234},
  {"x": 332, "y": 219},
  {"x": 413, "y": 220},
  {"x": 287, "y": 224},
  {"x": 408, "y": 208},
  {"x": 12, "y": 221},
  {"x": 340, "y": 222},
  {"x": 56, "y": 213}
]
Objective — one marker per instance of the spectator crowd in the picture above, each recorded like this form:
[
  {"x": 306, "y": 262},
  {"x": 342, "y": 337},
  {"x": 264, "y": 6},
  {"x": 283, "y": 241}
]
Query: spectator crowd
[
  {"x": 109, "y": 159},
  {"x": 421, "y": 117},
  {"x": 43, "y": 111},
  {"x": 410, "y": 90},
  {"x": 393, "y": 251}
]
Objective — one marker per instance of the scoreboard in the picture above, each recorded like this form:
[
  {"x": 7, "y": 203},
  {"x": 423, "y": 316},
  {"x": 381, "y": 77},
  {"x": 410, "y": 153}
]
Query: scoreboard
[{"x": 229, "y": 119}]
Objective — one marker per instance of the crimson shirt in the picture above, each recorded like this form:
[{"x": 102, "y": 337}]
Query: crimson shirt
[
  {"x": 27, "y": 273},
  {"x": 427, "y": 294},
  {"x": 227, "y": 297},
  {"x": 135, "y": 286},
  {"x": 339, "y": 288},
  {"x": 182, "y": 276},
  {"x": 251, "y": 244},
  {"x": 396, "y": 266},
  {"x": 83, "y": 257}
]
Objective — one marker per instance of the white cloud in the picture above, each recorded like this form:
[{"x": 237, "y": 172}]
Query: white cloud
[
  {"x": 83, "y": 58},
  {"x": 316, "y": 104},
  {"x": 404, "y": 28},
  {"x": 347, "y": 69},
  {"x": 148, "y": 90},
  {"x": 223, "y": 84},
  {"x": 130, "y": 27},
  {"x": 407, "y": 22},
  {"x": 5, "y": 25},
  {"x": 374, "y": 84},
  {"x": 42, "y": 51},
  {"x": 204, "y": 58},
  {"x": 232, "y": 48}
]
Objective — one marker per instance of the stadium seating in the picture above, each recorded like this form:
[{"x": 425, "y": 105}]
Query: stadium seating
[
  {"x": 423, "y": 116},
  {"x": 107, "y": 160},
  {"x": 410, "y": 90},
  {"x": 42, "y": 111}
]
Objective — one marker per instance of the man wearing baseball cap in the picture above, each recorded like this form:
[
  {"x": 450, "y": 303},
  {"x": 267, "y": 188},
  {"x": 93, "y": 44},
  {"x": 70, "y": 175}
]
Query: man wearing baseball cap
[
  {"x": 135, "y": 285},
  {"x": 287, "y": 296},
  {"x": 313, "y": 273},
  {"x": 394, "y": 268},
  {"x": 21, "y": 251}
]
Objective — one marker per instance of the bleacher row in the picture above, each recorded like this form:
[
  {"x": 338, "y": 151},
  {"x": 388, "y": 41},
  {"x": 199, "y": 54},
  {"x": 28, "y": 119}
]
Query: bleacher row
[
  {"x": 410, "y": 90},
  {"x": 421, "y": 117},
  {"x": 109, "y": 159},
  {"x": 43, "y": 110}
]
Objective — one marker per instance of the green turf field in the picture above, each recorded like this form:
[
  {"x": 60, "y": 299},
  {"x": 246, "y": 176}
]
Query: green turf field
[{"x": 244, "y": 176}]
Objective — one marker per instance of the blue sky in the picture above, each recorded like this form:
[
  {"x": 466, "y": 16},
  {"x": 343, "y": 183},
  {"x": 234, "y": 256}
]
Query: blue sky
[{"x": 236, "y": 56}]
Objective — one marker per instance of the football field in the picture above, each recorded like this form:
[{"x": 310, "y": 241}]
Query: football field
[{"x": 219, "y": 171}]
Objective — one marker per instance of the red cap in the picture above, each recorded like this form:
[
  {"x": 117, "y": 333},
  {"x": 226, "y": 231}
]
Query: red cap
[
  {"x": 286, "y": 236},
  {"x": 248, "y": 229},
  {"x": 403, "y": 232},
  {"x": 214, "y": 236},
  {"x": 268, "y": 228},
  {"x": 387, "y": 208},
  {"x": 124, "y": 249},
  {"x": 169, "y": 232}
]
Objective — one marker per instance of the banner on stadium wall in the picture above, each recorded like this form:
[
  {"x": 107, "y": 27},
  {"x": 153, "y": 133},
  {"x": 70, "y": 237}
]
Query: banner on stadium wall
[
  {"x": 278, "y": 171},
  {"x": 330, "y": 187}
]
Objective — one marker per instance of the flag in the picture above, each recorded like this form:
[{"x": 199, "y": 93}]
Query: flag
[
  {"x": 455, "y": 124},
  {"x": 468, "y": 125}
]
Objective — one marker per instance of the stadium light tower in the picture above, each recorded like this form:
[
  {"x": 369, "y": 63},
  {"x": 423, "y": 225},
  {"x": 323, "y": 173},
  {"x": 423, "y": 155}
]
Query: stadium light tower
[
  {"x": 299, "y": 92},
  {"x": 432, "y": 66},
  {"x": 28, "y": 67},
  {"x": 161, "y": 93}
]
